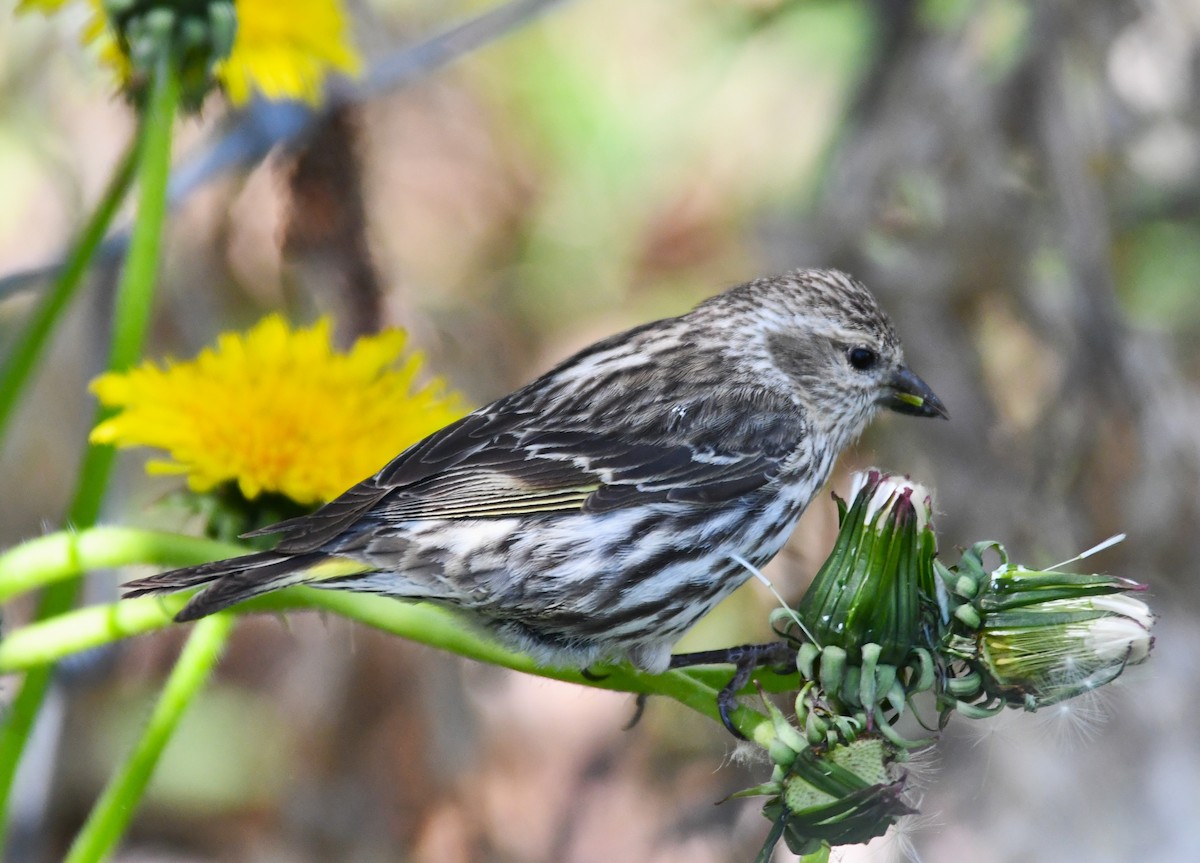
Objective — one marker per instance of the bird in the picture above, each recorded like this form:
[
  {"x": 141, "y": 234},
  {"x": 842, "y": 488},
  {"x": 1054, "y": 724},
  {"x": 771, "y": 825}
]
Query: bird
[{"x": 596, "y": 513}]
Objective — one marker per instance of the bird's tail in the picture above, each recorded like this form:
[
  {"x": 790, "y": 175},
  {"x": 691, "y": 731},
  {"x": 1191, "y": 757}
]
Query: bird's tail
[{"x": 240, "y": 578}]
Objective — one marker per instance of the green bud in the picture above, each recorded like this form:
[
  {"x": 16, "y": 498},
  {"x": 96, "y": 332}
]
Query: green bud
[
  {"x": 968, "y": 616},
  {"x": 806, "y": 659},
  {"x": 802, "y": 702},
  {"x": 787, "y": 733},
  {"x": 833, "y": 668},
  {"x": 895, "y": 695},
  {"x": 159, "y": 23},
  {"x": 848, "y": 728},
  {"x": 193, "y": 34},
  {"x": 866, "y": 680},
  {"x": 877, "y": 585},
  {"x": 1032, "y": 638},
  {"x": 926, "y": 671},
  {"x": 965, "y": 685},
  {"x": 816, "y": 730},
  {"x": 222, "y": 23},
  {"x": 1080, "y": 645},
  {"x": 781, "y": 753},
  {"x": 192, "y": 37},
  {"x": 850, "y": 685}
]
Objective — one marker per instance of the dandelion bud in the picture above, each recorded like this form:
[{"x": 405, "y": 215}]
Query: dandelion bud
[
  {"x": 192, "y": 37},
  {"x": 876, "y": 583},
  {"x": 1035, "y": 638}
]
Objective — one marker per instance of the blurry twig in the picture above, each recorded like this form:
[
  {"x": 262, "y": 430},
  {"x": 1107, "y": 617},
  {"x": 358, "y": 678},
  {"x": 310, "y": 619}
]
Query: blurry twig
[
  {"x": 411, "y": 64},
  {"x": 256, "y": 131},
  {"x": 326, "y": 227}
]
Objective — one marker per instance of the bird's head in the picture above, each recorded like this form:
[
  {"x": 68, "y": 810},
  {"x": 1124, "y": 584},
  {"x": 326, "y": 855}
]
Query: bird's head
[{"x": 822, "y": 336}]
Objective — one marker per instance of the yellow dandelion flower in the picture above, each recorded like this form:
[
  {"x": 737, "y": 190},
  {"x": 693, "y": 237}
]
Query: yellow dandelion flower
[
  {"x": 285, "y": 50},
  {"x": 277, "y": 410},
  {"x": 280, "y": 50}
]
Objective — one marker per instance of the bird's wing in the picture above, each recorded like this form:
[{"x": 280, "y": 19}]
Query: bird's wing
[{"x": 500, "y": 462}]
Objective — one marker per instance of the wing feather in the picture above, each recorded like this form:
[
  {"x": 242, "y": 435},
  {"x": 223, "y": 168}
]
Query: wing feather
[{"x": 505, "y": 461}]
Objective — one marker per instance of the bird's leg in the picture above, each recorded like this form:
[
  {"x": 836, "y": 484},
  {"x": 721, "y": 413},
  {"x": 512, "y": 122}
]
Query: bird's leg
[{"x": 745, "y": 659}]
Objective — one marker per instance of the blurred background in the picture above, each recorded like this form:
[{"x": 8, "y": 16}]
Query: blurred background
[{"x": 1019, "y": 184}]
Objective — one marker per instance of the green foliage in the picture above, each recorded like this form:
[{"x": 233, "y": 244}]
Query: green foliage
[{"x": 1160, "y": 268}]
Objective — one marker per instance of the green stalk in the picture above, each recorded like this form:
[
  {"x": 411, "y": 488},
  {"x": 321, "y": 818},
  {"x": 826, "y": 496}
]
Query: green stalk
[
  {"x": 114, "y": 810},
  {"x": 34, "y": 648},
  {"x": 66, "y": 554},
  {"x": 31, "y": 341},
  {"x": 135, "y": 294},
  {"x": 14, "y": 733},
  {"x": 131, "y": 314}
]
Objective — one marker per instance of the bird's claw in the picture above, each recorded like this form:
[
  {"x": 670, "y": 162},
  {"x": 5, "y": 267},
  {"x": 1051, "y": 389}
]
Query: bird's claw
[{"x": 745, "y": 659}]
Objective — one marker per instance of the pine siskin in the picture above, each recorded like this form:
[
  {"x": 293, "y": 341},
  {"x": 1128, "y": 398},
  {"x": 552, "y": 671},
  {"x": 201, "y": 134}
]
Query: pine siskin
[{"x": 601, "y": 510}]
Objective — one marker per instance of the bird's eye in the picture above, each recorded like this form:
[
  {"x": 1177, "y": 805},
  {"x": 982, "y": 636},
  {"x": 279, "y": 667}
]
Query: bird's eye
[{"x": 862, "y": 358}]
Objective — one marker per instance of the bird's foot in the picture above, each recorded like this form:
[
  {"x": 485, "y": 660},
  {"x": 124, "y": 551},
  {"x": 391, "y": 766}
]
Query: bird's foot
[{"x": 745, "y": 659}]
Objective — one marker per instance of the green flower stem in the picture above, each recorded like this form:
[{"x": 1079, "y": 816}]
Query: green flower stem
[
  {"x": 32, "y": 648},
  {"x": 66, "y": 554},
  {"x": 14, "y": 733},
  {"x": 48, "y": 641},
  {"x": 131, "y": 315},
  {"x": 135, "y": 293},
  {"x": 438, "y": 627},
  {"x": 31, "y": 341},
  {"x": 114, "y": 810}
]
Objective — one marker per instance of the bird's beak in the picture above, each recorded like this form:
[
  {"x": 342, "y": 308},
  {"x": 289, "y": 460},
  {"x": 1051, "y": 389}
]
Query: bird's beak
[{"x": 908, "y": 394}]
